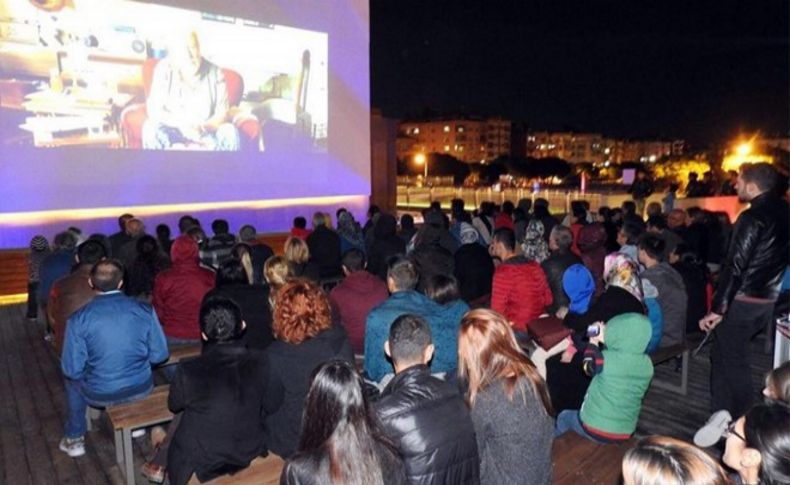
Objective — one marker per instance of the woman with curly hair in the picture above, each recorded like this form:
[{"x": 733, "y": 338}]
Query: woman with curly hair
[{"x": 305, "y": 339}]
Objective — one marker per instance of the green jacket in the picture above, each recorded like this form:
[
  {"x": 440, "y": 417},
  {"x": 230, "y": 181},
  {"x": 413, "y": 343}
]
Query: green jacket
[{"x": 614, "y": 398}]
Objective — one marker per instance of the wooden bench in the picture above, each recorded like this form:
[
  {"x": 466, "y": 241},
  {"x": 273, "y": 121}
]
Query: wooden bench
[
  {"x": 125, "y": 418},
  {"x": 182, "y": 352},
  {"x": 262, "y": 471},
  {"x": 683, "y": 351},
  {"x": 577, "y": 460}
]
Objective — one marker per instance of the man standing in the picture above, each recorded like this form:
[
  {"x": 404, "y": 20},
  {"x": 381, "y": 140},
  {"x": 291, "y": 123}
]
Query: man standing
[
  {"x": 748, "y": 286},
  {"x": 110, "y": 346},
  {"x": 640, "y": 190},
  {"x": 426, "y": 418}
]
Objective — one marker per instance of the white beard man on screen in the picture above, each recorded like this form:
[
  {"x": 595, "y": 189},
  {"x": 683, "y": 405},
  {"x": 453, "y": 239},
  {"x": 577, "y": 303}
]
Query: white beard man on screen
[{"x": 188, "y": 102}]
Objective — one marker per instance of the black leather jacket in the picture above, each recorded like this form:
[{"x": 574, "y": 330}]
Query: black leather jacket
[
  {"x": 429, "y": 422},
  {"x": 757, "y": 256}
]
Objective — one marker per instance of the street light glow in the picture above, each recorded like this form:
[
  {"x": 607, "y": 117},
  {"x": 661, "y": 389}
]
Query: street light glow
[
  {"x": 419, "y": 158},
  {"x": 744, "y": 148}
]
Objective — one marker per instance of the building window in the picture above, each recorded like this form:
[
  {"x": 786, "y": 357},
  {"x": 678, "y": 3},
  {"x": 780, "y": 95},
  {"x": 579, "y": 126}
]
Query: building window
[
  {"x": 447, "y": 128},
  {"x": 447, "y": 148},
  {"x": 416, "y": 131},
  {"x": 460, "y": 128}
]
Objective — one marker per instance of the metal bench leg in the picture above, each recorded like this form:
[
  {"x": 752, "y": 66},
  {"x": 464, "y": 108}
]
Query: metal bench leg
[
  {"x": 128, "y": 456},
  {"x": 118, "y": 447},
  {"x": 684, "y": 374}
]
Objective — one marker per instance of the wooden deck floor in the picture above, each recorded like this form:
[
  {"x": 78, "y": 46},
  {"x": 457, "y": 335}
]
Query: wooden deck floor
[{"x": 33, "y": 409}]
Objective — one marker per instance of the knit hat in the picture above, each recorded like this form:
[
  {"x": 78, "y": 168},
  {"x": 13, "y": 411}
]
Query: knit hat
[
  {"x": 39, "y": 243},
  {"x": 469, "y": 234},
  {"x": 578, "y": 283},
  {"x": 247, "y": 233}
]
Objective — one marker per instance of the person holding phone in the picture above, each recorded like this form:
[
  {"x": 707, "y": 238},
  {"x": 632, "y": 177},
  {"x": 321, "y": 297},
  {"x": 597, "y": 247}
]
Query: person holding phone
[{"x": 621, "y": 374}]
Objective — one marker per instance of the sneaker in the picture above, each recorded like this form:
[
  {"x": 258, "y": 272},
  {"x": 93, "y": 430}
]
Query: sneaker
[
  {"x": 153, "y": 473},
  {"x": 49, "y": 337},
  {"x": 714, "y": 429},
  {"x": 73, "y": 447},
  {"x": 138, "y": 433}
]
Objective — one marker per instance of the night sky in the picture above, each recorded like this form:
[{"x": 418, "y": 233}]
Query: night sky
[{"x": 700, "y": 70}]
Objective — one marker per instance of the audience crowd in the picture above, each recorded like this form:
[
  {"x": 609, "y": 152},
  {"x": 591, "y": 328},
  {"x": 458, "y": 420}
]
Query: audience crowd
[{"x": 454, "y": 351}]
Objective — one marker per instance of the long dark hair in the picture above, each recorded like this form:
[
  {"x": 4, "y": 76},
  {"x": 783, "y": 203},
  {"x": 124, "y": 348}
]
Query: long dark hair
[
  {"x": 767, "y": 429},
  {"x": 337, "y": 422}
]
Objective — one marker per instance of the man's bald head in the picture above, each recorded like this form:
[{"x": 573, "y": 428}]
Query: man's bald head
[{"x": 107, "y": 275}]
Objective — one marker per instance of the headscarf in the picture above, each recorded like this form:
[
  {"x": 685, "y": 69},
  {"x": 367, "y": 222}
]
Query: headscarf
[
  {"x": 535, "y": 247},
  {"x": 348, "y": 229},
  {"x": 620, "y": 271},
  {"x": 469, "y": 234},
  {"x": 39, "y": 243},
  {"x": 578, "y": 284}
]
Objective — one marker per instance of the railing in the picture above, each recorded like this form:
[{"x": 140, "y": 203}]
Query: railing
[{"x": 559, "y": 200}]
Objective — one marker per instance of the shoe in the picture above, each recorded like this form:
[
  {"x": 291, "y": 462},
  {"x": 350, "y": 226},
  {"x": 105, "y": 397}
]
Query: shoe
[
  {"x": 714, "y": 429},
  {"x": 138, "y": 433},
  {"x": 73, "y": 447},
  {"x": 49, "y": 337},
  {"x": 153, "y": 472}
]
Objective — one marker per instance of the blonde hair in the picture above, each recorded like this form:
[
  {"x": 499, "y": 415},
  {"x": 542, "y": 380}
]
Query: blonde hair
[
  {"x": 242, "y": 251},
  {"x": 296, "y": 250},
  {"x": 277, "y": 271},
  {"x": 488, "y": 352},
  {"x": 660, "y": 460}
]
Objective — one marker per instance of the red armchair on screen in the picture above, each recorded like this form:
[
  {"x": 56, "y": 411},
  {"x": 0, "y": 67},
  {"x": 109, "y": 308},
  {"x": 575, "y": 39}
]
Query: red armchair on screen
[{"x": 133, "y": 117}]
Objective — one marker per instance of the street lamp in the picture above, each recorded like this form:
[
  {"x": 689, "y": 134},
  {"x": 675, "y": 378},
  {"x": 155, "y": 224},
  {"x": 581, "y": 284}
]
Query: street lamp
[
  {"x": 744, "y": 148},
  {"x": 421, "y": 159}
]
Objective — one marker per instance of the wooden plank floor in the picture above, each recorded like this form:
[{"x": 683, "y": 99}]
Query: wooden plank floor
[
  {"x": 668, "y": 413},
  {"x": 33, "y": 409}
]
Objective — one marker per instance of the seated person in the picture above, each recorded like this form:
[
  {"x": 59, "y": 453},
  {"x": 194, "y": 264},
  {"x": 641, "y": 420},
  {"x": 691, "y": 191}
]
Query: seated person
[
  {"x": 425, "y": 417},
  {"x": 218, "y": 401},
  {"x": 446, "y": 322},
  {"x": 621, "y": 375},
  {"x": 401, "y": 280},
  {"x": 758, "y": 445},
  {"x": 519, "y": 291},
  {"x": 560, "y": 258},
  {"x": 350, "y": 442},
  {"x": 110, "y": 346},
  {"x": 355, "y": 296},
  {"x": 72, "y": 292},
  {"x": 324, "y": 245},
  {"x": 299, "y": 228},
  {"x": 510, "y": 404},
  {"x": 660, "y": 460},
  {"x": 671, "y": 290},
  {"x": 306, "y": 338},
  {"x": 188, "y": 102},
  {"x": 179, "y": 291}
]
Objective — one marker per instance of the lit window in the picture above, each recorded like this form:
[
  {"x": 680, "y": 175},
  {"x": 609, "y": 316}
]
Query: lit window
[
  {"x": 416, "y": 131},
  {"x": 447, "y": 148},
  {"x": 447, "y": 128},
  {"x": 460, "y": 129}
]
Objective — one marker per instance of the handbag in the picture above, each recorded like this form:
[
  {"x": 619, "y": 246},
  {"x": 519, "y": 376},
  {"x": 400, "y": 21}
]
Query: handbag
[{"x": 548, "y": 331}]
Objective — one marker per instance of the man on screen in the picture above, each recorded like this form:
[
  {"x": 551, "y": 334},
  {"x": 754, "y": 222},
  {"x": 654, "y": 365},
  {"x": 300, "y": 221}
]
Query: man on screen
[{"x": 188, "y": 103}]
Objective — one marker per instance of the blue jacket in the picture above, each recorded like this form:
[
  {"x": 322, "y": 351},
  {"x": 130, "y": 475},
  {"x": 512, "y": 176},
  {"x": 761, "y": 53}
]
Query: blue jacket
[
  {"x": 54, "y": 267},
  {"x": 111, "y": 344},
  {"x": 443, "y": 320}
]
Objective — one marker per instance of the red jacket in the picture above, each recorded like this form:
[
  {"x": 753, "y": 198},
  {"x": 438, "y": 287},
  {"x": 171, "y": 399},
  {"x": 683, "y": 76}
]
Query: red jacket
[
  {"x": 352, "y": 300},
  {"x": 503, "y": 220},
  {"x": 179, "y": 291},
  {"x": 520, "y": 291}
]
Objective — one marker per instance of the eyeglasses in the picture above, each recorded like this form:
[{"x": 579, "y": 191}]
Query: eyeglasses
[{"x": 730, "y": 431}]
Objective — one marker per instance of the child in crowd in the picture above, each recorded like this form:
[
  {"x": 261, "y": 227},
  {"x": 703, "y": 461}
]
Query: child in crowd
[
  {"x": 39, "y": 250},
  {"x": 300, "y": 228},
  {"x": 777, "y": 384},
  {"x": 620, "y": 374}
]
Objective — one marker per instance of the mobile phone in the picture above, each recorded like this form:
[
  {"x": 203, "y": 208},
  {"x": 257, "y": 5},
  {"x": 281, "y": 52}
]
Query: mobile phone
[{"x": 593, "y": 330}]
